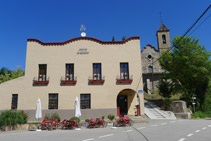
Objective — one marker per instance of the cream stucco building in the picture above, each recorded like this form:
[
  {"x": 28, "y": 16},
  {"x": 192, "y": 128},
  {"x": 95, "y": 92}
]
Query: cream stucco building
[{"x": 104, "y": 75}]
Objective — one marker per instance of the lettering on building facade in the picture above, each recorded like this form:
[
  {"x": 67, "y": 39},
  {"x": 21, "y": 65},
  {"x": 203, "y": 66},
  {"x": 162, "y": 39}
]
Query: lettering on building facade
[{"x": 82, "y": 51}]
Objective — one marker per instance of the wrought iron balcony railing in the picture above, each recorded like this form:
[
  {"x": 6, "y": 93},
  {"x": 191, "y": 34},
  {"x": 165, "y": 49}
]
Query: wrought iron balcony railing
[
  {"x": 41, "y": 80},
  {"x": 96, "y": 79},
  {"x": 124, "y": 79},
  {"x": 68, "y": 80}
]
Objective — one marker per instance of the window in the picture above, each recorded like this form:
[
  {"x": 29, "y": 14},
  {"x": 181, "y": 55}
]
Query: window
[
  {"x": 42, "y": 72},
  {"x": 124, "y": 71},
  {"x": 14, "y": 104},
  {"x": 97, "y": 72},
  {"x": 164, "y": 39},
  {"x": 53, "y": 101},
  {"x": 85, "y": 101},
  {"x": 69, "y": 72},
  {"x": 150, "y": 69}
]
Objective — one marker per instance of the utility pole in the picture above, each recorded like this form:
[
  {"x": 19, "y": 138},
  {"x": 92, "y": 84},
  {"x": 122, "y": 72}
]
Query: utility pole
[
  {"x": 193, "y": 102},
  {"x": 152, "y": 77}
]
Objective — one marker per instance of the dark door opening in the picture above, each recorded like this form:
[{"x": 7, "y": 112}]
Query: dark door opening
[{"x": 122, "y": 104}]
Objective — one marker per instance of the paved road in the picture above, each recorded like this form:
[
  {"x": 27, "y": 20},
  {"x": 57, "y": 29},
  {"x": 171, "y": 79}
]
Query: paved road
[{"x": 154, "y": 130}]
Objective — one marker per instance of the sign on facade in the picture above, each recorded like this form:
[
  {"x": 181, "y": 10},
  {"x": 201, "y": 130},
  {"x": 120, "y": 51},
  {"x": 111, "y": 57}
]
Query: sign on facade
[{"x": 83, "y": 51}]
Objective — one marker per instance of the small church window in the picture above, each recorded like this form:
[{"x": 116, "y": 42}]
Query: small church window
[
  {"x": 164, "y": 39},
  {"x": 150, "y": 69},
  {"x": 149, "y": 56}
]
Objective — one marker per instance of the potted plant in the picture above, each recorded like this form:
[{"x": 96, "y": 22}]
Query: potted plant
[
  {"x": 111, "y": 118},
  {"x": 87, "y": 122}
]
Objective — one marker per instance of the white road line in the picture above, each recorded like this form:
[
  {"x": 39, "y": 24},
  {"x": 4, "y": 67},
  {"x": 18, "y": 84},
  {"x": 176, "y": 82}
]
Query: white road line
[
  {"x": 163, "y": 123},
  {"x": 154, "y": 125},
  {"x": 209, "y": 125},
  {"x": 197, "y": 131},
  {"x": 204, "y": 128},
  {"x": 128, "y": 131},
  {"x": 88, "y": 139},
  {"x": 141, "y": 128},
  {"x": 182, "y": 139},
  {"x": 190, "y": 135},
  {"x": 106, "y": 136}
]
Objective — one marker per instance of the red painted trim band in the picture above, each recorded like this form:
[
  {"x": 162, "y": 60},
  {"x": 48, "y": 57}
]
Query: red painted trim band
[{"x": 84, "y": 38}]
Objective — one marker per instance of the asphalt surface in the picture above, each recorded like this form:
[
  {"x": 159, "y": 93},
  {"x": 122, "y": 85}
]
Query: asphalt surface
[{"x": 154, "y": 130}]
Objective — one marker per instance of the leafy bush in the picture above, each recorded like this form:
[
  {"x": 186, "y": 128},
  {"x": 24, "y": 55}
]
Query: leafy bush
[
  {"x": 55, "y": 116},
  {"x": 10, "y": 117},
  {"x": 47, "y": 116},
  {"x": 166, "y": 103},
  {"x": 75, "y": 118},
  {"x": 200, "y": 115},
  {"x": 87, "y": 120},
  {"x": 111, "y": 117},
  {"x": 24, "y": 115},
  {"x": 52, "y": 116}
]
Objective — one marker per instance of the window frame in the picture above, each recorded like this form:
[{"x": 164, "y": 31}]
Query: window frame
[
  {"x": 14, "y": 103},
  {"x": 98, "y": 74},
  {"x": 55, "y": 101},
  {"x": 86, "y": 100},
  {"x": 125, "y": 71},
  {"x": 42, "y": 76},
  {"x": 164, "y": 39},
  {"x": 71, "y": 72}
]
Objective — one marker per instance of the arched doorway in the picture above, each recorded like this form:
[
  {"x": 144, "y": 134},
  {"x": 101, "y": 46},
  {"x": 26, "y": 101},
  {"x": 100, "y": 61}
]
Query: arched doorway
[{"x": 125, "y": 99}]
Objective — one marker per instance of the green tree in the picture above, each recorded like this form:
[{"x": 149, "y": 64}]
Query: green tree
[
  {"x": 123, "y": 38},
  {"x": 113, "y": 39},
  {"x": 4, "y": 70},
  {"x": 166, "y": 88},
  {"x": 188, "y": 67},
  {"x": 6, "y": 74}
]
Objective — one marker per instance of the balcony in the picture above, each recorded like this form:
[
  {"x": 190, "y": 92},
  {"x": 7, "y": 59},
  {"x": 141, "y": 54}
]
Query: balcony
[
  {"x": 67, "y": 80},
  {"x": 44, "y": 80},
  {"x": 125, "y": 79},
  {"x": 96, "y": 80}
]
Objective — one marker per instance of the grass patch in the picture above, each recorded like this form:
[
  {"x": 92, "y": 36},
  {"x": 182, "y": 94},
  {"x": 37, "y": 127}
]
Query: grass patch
[
  {"x": 156, "y": 96},
  {"x": 33, "y": 122},
  {"x": 163, "y": 103},
  {"x": 200, "y": 114}
]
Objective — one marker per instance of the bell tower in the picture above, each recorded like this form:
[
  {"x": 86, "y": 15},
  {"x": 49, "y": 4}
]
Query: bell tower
[{"x": 163, "y": 38}]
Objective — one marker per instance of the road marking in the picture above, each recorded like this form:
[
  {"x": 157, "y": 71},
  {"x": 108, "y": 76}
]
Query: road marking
[
  {"x": 163, "y": 123},
  {"x": 209, "y": 125},
  {"x": 190, "y": 135},
  {"x": 204, "y": 128},
  {"x": 154, "y": 125},
  {"x": 141, "y": 128},
  {"x": 88, "y": 139},
  {"x": 106, "y": 136},
  {"x": 197, "y": 131},
  {"x": 182, "y": 139},
  {"x": 128, "y": 131}
]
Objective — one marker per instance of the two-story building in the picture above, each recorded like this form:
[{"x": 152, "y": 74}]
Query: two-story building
[{"x": 105, "y": 75}]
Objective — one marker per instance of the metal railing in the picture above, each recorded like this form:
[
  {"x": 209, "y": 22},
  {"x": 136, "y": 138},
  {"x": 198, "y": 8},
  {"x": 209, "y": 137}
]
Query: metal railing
[
  {"x": 41, "y": 79},
  {"x": 124, "y": 77},
  {"x": 96, "y": 78},
  {"x": 63, "y": 78}
]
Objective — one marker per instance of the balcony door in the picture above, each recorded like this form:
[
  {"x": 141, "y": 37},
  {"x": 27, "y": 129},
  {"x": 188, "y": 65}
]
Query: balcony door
[
  {"x": 69, "y": 72},
  {"x": 97, "y": 71},
  {"x": 42, "y": 72},
  {"x": 124, "y": 71}
]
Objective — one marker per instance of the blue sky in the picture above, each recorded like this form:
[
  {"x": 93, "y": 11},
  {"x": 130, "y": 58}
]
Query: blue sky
[{"x": 60, "y": 20}]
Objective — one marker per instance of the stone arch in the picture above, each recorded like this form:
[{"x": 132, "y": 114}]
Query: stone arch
[{"x": 126, "y": 102}]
